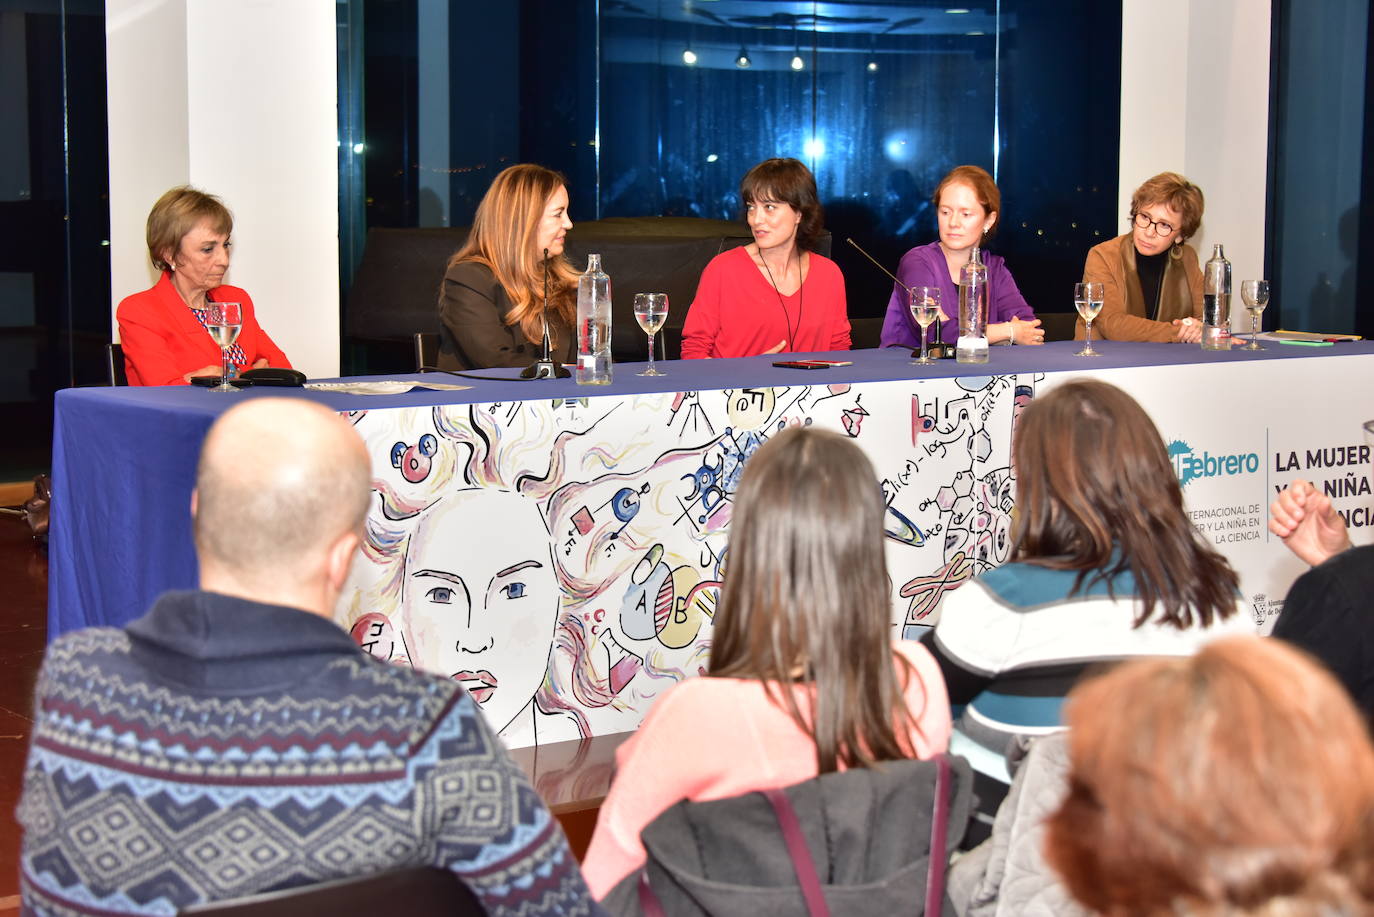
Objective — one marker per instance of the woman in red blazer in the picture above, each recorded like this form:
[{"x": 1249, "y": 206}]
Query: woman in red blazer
[{"x": 164, "y": 338}]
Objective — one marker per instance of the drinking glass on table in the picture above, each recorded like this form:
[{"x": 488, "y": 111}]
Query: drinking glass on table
[
  {"x": 651, "y": 311},
  {"x": 224, "y": 320},
  {"x": 1255, "y": 294},
  {"x": 925, "y": 309},
  {"x": 1087, "y": 299}
]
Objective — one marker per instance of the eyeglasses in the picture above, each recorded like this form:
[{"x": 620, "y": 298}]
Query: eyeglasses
[{"x": 1144, "y": 222}]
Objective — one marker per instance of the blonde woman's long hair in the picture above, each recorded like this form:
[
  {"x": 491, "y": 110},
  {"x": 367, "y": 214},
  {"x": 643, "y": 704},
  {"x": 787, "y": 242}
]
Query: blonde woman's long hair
[{"x": 503, "y": 237}]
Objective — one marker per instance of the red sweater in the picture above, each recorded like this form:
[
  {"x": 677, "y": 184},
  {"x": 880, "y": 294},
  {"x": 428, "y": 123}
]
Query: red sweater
[
  {"x": 736, "y": 312},
  {"x": 163, "y": 341}
]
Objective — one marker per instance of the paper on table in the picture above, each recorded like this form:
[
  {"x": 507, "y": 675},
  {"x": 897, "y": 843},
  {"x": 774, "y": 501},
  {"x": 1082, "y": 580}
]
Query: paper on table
[
  {"x": 1281, "y": 335},
  {"x": 383, "y": 387}
]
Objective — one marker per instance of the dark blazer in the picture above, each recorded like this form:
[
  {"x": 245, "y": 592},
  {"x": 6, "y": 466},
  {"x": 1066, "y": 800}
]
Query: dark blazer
[{"x": 473, "y": 333}]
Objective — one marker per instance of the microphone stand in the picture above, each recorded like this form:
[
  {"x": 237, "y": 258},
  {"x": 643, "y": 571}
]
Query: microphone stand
[
  {"x": 939, "y": 350},
  {"x": 546, "y": 367}
]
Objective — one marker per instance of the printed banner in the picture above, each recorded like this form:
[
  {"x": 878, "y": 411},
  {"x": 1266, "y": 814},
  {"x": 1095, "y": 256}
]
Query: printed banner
[{"x": 562, "y": 559}]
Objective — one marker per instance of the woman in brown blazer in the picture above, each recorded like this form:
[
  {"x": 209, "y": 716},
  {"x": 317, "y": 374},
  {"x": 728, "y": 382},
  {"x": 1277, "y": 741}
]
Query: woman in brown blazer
[{"x": 1151, "y": 281}]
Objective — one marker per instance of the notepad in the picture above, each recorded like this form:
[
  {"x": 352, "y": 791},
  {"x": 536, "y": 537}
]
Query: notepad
[{"x": 1281, "y": 335}]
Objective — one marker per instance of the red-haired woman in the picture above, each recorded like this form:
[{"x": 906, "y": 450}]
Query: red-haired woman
[
  {"x": 491, "y": 308},
  {"x": 774, "y": 295},
  {"x": 1236, "y": 782},
  {"x": 967, "y": 211}
]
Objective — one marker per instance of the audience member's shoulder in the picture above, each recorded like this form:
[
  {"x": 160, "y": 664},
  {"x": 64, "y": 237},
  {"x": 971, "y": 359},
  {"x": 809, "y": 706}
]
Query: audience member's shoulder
[
  {"x": 1358, "y": 561},
  {"x": 1018, "y": 585},
  {"x": 1350, "y": 569},
  {"x": 403, "y": 680},
  {"x": 84, "y": 644}
]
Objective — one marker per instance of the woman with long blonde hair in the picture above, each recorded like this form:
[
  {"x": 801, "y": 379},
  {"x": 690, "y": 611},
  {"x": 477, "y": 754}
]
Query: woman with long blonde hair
[{"x": 493, "y": 304}]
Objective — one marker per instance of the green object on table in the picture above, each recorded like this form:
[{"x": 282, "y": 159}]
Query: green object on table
[{"x": 1307, "y": 343}]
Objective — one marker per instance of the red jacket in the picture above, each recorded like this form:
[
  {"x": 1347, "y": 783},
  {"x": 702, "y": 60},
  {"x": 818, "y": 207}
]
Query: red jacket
[{"x": 163, "y": 341}]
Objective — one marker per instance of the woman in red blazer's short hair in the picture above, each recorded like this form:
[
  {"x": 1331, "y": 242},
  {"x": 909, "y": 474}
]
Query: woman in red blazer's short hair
[{"x": 162, "y": 330}]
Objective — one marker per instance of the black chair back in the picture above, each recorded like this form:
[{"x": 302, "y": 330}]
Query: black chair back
[
  {"x": 114, "y": 358},
  {"x": 420, "y": 891}
]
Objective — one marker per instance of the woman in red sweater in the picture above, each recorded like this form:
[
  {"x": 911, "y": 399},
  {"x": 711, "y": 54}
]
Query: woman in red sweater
[
  {"x": 773, "y": 295},
  {"x": 162, "y": 330}
]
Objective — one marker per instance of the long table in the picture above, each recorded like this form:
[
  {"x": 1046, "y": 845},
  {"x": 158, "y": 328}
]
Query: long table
[{"x": 559, "y": 548}]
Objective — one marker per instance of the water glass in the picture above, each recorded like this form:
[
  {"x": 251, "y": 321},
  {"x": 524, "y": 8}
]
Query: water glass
[
  {"x": 651, "y": 311},
  {"x": 925, "y": 309},
  {"x": 224, "y": 320},
  {"x": 1087, "y": 299},
  {"x": 1255, "y": 294}
]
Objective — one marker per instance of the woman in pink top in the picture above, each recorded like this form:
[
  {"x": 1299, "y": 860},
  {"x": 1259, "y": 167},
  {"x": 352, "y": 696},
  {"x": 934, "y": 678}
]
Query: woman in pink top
[
  {"x": 772, "y": 295},
  {"x": 804, "y": 677}
]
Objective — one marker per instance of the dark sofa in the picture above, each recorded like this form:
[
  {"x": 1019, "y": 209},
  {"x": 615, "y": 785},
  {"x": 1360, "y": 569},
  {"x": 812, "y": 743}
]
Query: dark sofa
[{"x": 396, "y": 289}]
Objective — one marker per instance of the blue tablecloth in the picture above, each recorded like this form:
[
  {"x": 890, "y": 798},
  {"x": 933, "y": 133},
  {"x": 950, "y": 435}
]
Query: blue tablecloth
[{"x": 124, "y": 458}]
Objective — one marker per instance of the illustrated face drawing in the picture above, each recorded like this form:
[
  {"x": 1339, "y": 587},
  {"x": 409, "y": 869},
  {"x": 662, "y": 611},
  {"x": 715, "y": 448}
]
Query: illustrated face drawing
[{"x": 480, "y": 598}]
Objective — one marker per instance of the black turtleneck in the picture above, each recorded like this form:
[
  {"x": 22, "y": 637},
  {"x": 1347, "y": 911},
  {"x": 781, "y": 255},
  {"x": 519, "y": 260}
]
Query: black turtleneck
[{"x": 1150, "y": 270}]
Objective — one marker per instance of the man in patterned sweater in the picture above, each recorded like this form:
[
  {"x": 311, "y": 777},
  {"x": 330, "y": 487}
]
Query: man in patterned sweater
[{"x": 234, "y": 740}]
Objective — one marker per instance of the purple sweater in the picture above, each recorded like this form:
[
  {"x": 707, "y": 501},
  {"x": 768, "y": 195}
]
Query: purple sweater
[{"x": 924, "y": 266}]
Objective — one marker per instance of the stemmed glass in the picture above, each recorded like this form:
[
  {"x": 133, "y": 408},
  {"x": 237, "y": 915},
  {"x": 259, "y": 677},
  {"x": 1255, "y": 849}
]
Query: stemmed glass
[
  {"x": 651, "y": 311},
  {"x": 1255, "y": 293},
  {"x": 925, "y": 309},
  {"x": 223, "y": 320},
  {"x": 1087, "y": 299}
]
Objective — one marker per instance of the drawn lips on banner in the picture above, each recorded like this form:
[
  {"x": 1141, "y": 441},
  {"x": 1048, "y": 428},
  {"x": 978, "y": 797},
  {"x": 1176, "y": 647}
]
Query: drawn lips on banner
[{"x": 480, "y": 684}]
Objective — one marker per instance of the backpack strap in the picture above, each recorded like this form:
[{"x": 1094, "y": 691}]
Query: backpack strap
[
  {"x": 939, "y": 830},
  {"x": 800, "y": 854}
]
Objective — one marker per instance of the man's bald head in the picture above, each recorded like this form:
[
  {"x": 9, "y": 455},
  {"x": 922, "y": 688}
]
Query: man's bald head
[{"x": 279, "y": 481}]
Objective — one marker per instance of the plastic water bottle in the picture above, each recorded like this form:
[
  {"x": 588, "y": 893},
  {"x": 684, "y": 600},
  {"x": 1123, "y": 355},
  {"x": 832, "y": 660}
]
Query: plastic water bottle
[
  {"x": 1216, "y": 302},
  {"x": 972, "y": 346},
  {"x": 594, "y": 325}
]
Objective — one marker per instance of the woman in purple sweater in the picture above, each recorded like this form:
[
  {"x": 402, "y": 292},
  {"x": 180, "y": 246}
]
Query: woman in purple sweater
[{"x": 967, "y": 205}]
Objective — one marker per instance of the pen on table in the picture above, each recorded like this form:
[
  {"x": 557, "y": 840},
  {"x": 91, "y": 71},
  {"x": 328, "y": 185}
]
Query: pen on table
[{"x": 829, "y": 362}]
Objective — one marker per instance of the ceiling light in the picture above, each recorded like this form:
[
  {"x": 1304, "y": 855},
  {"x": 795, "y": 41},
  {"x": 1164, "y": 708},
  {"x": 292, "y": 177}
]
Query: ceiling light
[{"x": 743, "y": 60}]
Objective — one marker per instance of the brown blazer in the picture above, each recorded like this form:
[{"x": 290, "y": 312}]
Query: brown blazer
[{"x": 1123, "y": 305}]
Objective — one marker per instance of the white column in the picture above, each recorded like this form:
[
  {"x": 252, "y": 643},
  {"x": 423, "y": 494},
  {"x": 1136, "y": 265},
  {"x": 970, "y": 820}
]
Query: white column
[
  {"x": 238, "y": 99},
  {"x": 1195, "y": 99}
]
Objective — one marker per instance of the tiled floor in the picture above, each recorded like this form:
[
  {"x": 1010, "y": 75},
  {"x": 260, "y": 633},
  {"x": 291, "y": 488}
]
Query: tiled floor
[{"x": 23, "y": 631}]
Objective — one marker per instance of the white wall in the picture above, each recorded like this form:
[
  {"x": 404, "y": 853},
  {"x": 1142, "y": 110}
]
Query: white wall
[
  {"x": 238, "y": 99},
  {"x": 1207, "y": 116}
]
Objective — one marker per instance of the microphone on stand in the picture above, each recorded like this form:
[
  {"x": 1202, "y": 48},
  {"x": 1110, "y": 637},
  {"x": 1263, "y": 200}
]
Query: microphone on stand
[
  {"x": 939, "y": 350},
  {"x": 546, "y": 367}
]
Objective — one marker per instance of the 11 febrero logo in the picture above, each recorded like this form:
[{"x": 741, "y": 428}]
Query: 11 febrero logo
[{"x": 1190, "y": 465}]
